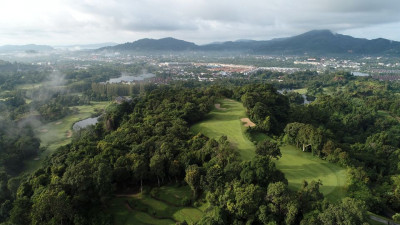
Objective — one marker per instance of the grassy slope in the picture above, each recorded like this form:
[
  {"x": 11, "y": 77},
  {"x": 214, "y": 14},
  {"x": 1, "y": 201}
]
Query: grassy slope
[
  {"x": 144, "y": 209},
  {"x": 55, "y": 134},
  {"x": 299, "y": 166},
  {"x": 296, "y": 165},
  {"x": 227, "y": 122}
]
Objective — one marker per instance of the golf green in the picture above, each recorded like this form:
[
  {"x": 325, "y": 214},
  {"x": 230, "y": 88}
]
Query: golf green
[
  {"x": 299, "y": 166},
  {"x": 226, "y": 121}
]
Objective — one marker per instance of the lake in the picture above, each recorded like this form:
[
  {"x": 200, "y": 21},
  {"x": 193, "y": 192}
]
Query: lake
[
  {"x": 359, "y": 74},
  {"x": 305, "y": 101},
  {"x": 84, "y": 123},
  {"x": 130, "y": 78}
]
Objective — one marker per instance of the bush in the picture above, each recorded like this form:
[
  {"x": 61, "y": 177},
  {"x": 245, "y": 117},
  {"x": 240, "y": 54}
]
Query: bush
[
  {"x": 154, "y": 192},
  {"x": 186, "y": 201},
  {"x": 197, "y": 204}
]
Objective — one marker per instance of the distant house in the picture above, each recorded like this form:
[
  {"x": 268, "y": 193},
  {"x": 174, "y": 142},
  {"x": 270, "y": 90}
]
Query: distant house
[{"x": 122, "y": 99}]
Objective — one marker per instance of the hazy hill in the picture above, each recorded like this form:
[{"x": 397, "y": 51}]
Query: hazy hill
[
  {"x": 164, "y": 44},
  {"x": 316, "y": 42},
  {"x": 22, "y": 48}
]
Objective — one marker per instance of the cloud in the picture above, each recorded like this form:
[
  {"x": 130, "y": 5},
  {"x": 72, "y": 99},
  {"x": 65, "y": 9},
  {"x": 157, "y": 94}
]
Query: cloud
[{"x": 90, "y": 21}]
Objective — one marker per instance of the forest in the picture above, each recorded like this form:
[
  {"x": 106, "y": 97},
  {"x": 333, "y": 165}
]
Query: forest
[{"x": 145, "y": 144}]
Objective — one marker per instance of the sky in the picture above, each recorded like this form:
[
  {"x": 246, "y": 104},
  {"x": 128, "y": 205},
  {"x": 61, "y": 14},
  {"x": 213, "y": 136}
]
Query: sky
[{"x": 69, "y": 22}]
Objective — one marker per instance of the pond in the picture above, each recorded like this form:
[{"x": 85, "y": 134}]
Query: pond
[
  {"x": 359, "y": 74},
  {"x": 130, "y": 78},
  {"x": 305, "y": 100},
  {"x": 84, "y": 123}
]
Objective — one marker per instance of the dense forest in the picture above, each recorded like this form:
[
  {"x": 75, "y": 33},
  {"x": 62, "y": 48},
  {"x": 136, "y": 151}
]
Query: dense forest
[{"x": 146, "y": 143}]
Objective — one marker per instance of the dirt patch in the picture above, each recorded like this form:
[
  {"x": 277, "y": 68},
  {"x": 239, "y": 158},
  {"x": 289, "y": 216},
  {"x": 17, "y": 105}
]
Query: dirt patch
[
  {"x": 58, "y": 123},
  {"x": 69, "y": 133},
  {"x": 44, "y": 130},
  {"x": 218, "y": 106},
  {"x": 247, "y": 122}
]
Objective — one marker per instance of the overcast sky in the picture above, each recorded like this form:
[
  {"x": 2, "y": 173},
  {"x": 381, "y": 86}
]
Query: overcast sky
[{"x": 59, "y": 22}]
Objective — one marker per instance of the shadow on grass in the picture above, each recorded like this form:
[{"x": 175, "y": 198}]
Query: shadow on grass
[{"x": 163, "y": 210}]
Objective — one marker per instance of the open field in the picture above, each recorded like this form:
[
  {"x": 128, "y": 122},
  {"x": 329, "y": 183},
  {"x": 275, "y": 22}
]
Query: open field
[
  {"x": 298, "y": 166},
  {"x": 227, "y": 122},
  {"x": 301, "y": 91},
  {"x": 57, "y": 133},
  {"x": 166, "y": 209}
]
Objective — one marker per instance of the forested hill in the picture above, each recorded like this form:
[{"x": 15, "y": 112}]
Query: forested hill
[
  {"x": 146, "y": 143},
  {"x": 164, "y": 44},
  {"x": 312, "y": 42}
]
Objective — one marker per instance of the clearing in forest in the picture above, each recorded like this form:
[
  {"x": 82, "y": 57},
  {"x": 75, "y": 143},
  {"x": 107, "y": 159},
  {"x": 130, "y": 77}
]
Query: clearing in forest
[
  {"x": 164, "y": 209},
  {"x": 57, "y": 133},
  {"x": 227, "y": 122},
  {"x": 298, "y": 166}
]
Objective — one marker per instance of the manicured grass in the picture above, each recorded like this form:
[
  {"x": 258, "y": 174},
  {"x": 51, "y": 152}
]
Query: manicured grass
[
  {"x": 143, "y": 209},
  {"x": 298, "y": 166},
  {"x": 227, "y": 122},
  {"x": 55, "y": 134},
  {"x": 124, "y": 216},
  {"x": 174, "y": 195},
  {"x": 301, "y": 91}
]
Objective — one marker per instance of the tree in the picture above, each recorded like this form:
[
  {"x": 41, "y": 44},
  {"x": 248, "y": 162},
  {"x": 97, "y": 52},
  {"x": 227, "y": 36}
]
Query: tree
[
  {"x": 175, "y": 169},
  {"x": 139, "y": 168},
  {"x": 268, "y": 148},
  {"x": 349, "y": 211},
  {"x": 157, "y": 167},
  {"x": 52, "y": 207},
  {"x": 396, "y": 217},
  {"x": 241, "y": 200},
  {"x": 192, "y": 178},
  {"x": 20, "y": 213}
]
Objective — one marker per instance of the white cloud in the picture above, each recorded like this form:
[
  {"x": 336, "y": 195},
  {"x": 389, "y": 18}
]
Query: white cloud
[{"x": 201, "y": 21}]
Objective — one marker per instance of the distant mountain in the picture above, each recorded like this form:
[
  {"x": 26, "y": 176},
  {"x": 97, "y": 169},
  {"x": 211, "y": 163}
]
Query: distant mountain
[
  {"x": 312, "y": 42},
  {"x": 326, "y": 42},
  {"x": 164, "y": 44},
  {"x": 25, "y": 48}
]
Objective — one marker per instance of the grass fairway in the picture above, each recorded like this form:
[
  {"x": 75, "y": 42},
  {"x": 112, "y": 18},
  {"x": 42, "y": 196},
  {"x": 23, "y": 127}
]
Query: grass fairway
[
  {"x": 299, "y": 166},
  {"x": 124, "y": 216},
  {"x": 143, "y": 209},
  {"x": 57, "y": 133},
  {"x": 226, "y": 121}
]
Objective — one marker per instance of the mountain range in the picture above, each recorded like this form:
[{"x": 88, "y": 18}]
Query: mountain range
[
  {"x": 312, "y": 42},
  {"x": 320, "y": 42},
  {"x": 25, "y": 48}
]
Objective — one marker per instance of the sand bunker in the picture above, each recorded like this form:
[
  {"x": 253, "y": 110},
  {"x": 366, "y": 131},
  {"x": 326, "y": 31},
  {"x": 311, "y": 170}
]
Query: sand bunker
[
  {"x": 247, "y": 122},
  {"x": 218, "y": 106},
  {"x": 60, "y": 122},
  {"x": 69, "y": 133},
  {"x": 44, "y": 130},
  {"x": 36, "y": 159}
]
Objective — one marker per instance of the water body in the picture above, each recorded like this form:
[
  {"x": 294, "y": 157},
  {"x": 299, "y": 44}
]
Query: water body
[
  {"x": 305, "y": 101},
  {"x": 359, "y": 74},
  {"x": 84, "y": 123},
  {"x": 130, "y": 78}
]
